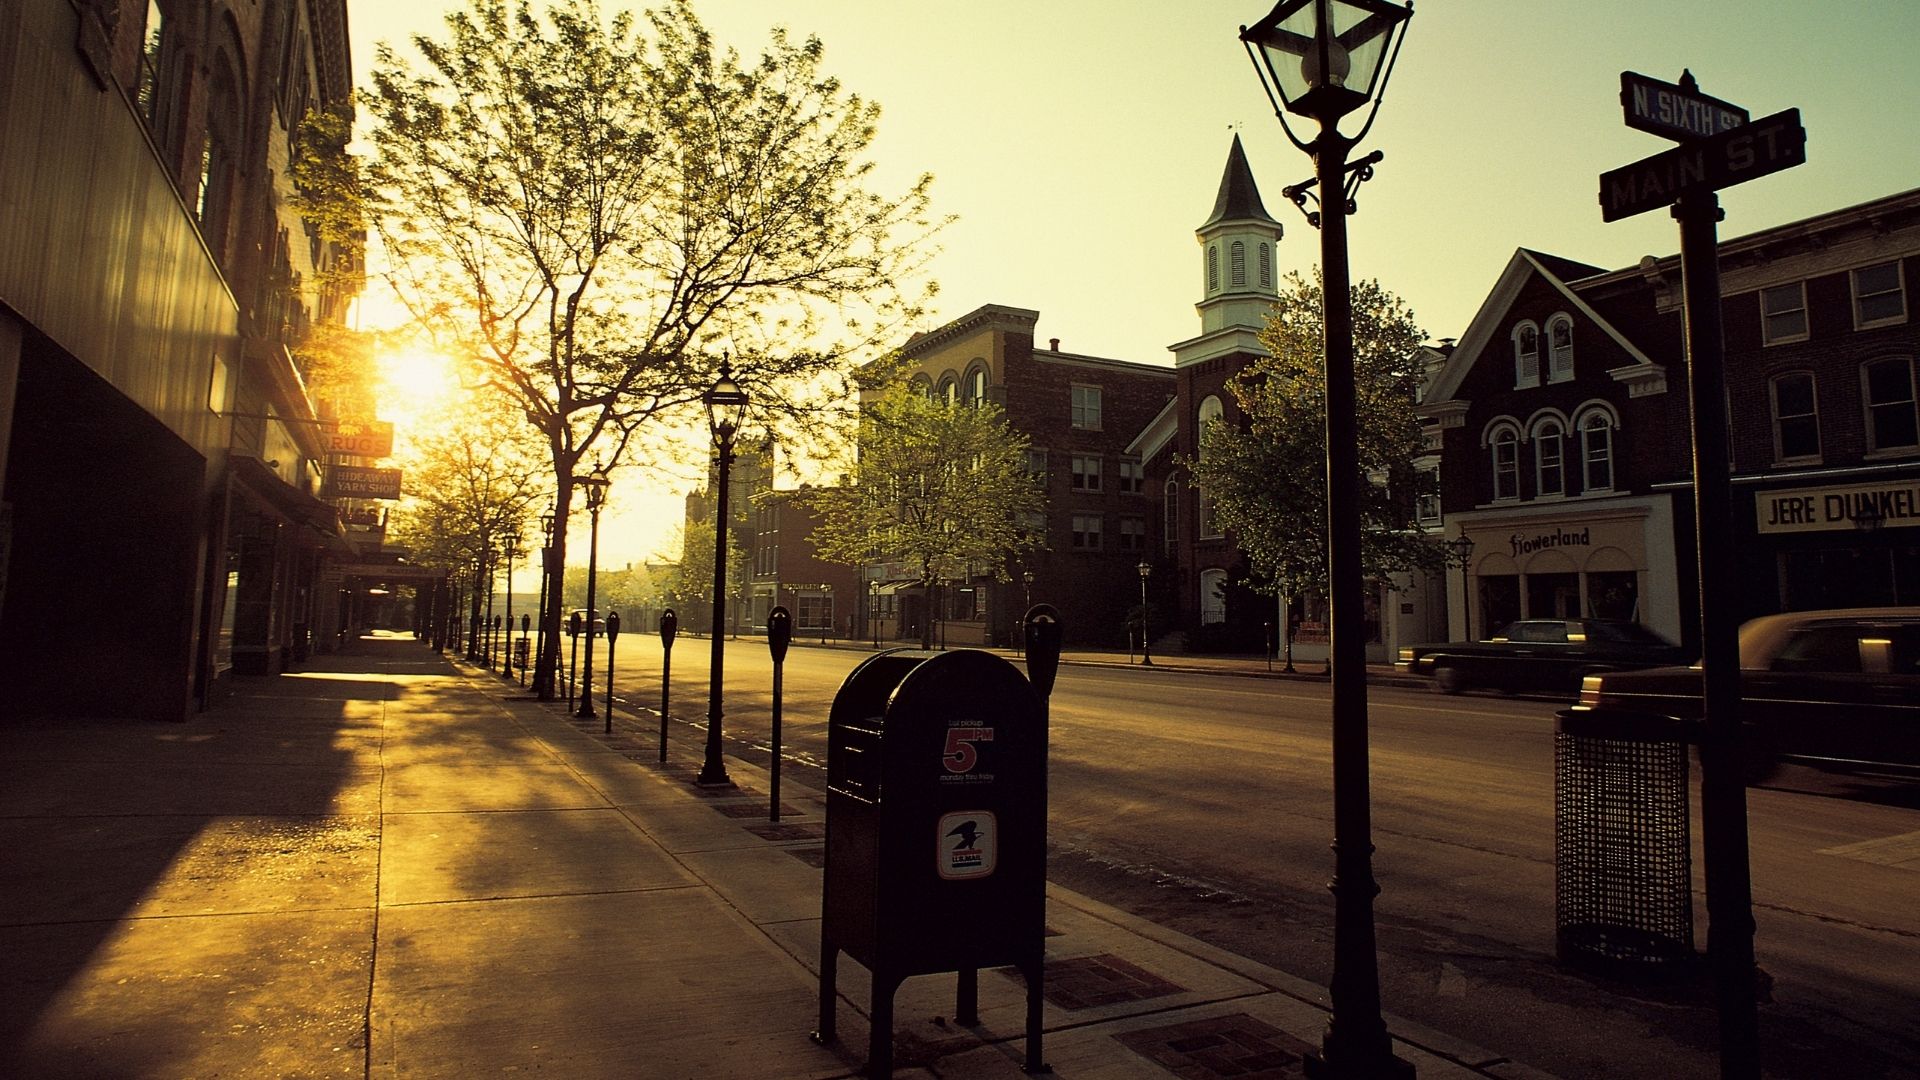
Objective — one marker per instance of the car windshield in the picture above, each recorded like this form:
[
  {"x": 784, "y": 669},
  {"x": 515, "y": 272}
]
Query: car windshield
[{"x": 1623, "y": 633}]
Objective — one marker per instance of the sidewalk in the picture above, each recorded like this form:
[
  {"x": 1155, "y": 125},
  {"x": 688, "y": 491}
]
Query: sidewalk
[{"x": 395, "y": 866}]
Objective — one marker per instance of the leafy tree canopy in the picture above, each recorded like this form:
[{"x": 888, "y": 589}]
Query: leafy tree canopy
[{"x": 1267, "y": 476}]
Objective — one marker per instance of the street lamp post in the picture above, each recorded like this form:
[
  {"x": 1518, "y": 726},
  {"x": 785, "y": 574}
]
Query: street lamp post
[
  {"x": 1026, "y": 595},
  {"x": 1459, "y": 551},
  {"x": 726, "y": 409},
  {"x": 596, "y": 484},
  {"x": 1146, "y": 650},
  {"x": 543, "y": 668},
  {"x": 513, "y": 540},
  {"x": 1324, "y": 59}
]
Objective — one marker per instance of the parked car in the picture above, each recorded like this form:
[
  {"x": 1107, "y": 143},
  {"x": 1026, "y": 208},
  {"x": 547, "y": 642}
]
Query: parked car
[
  {"x": 596, "y": 626},
  {"x": 1835, "y": 689},
  {"x": 1544, "y": 655}
]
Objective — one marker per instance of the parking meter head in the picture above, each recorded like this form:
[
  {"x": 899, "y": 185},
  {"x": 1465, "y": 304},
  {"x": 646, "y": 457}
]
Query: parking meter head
[
  {"x": 613, "y": 625},
  {"x": 779, "y": 632},
  {"x": 1042, "y": 626},
  {"x": 573, "y": 625},
  {"x": 526, "y": 623},
  {"x": 669, "y": 625}
]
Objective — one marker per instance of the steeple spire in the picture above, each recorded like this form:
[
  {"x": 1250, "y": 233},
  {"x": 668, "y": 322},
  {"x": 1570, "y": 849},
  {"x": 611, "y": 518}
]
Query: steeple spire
[{"x": 1239, "y": 198}]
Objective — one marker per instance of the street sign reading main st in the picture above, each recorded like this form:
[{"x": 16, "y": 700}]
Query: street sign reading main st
[
  {"x": 1734, "y": 156},
  {"x": 1676, "y": 112}
]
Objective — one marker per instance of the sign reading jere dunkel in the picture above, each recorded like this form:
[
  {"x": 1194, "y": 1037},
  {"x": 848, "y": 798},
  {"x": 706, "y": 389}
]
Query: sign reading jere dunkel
[
  {"x": 354, "y": 482},
  {"x": 1820, "y": 509}
]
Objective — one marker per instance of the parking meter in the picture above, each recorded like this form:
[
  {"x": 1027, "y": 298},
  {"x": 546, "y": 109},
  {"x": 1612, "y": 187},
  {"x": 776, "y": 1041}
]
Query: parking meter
[
  {"x": 573, "y": 661},
  {"x": 613, "y": 628},
  {"x": 613, "y": 632},
  {"x": 669, "y": 625},
  {"x": 779, "y": 634}
]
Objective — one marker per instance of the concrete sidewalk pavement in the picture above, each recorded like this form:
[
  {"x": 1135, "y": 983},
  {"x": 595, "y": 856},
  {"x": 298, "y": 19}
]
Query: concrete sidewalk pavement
[{"x": 392, "y": 865}]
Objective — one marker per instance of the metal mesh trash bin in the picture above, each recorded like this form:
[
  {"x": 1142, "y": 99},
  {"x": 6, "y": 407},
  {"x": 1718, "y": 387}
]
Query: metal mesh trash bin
[{"x": 1623, "y": 875}]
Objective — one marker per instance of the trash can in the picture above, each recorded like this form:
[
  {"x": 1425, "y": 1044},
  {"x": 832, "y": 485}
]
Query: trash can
[
  {"x": 1623, "y": 873},
  {"x": 935, "y": 832}
]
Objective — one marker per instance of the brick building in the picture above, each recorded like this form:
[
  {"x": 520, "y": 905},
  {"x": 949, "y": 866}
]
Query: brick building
[
  {"x": 1078, "y": 412},
  {"x": 1565, "y": 438},
  {"x": 161, "y": 459}
]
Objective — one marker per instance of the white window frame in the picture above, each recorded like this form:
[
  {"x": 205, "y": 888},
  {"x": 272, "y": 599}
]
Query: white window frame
[
  {"x": 1036, "y": 463},
  {"x": 1133, "y": 533},
  {"x": 1588, "y": 455},
  {"x": 1211, "y": 410},
  {"x": 1559, "y": 357},
  {"x": 1086, "y": 532},
  {"x": 1549, "y": 433},
  {"x": 1780, "y": 455},
  {"x": 1867, "y": 404},
  {"x": 1213, "y": 605},
  {"x": 1526, "y": 365},
  {"x": 1086, "y": 472},
  {"x": 1505, "y": 436},
  {"x": 1768, "y": 314},
  {"x": 1085, "y": 412},
  {"x": 1133, "y": 476},
  {"x": 1899, "y": 289}
]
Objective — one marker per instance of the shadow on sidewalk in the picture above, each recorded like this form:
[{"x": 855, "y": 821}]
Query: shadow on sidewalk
[{"x": 142, "y": 855}]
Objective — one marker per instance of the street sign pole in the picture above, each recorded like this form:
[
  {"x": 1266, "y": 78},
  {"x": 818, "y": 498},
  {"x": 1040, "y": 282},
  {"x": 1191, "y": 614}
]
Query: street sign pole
[
  {"x": 1717, "y": 149},
  {"x": 1723, "y": 793}
]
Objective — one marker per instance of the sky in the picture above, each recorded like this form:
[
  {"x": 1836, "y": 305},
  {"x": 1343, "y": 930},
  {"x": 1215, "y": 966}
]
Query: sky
[{"x": 1081, "y": 142}]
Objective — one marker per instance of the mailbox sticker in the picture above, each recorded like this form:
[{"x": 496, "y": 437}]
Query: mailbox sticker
[
  {"x": 969, "y": 844},
  {"x": 961, "y": 755}
]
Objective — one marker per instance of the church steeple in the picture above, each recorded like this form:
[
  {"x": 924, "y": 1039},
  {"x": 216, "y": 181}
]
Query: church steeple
[{"x": 1239, "y": 243}]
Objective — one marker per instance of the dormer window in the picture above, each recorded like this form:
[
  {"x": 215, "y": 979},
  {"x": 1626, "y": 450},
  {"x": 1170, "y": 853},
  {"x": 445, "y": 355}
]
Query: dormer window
[
  {"x": 1526, "y": 356},
  {"x": 1560, "y": 340}
]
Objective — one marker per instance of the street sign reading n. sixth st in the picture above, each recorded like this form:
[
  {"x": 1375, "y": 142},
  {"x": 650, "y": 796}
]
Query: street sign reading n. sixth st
[
  {"x": 1734, "y": 156},
  {"x": 1675, "y": 112}
]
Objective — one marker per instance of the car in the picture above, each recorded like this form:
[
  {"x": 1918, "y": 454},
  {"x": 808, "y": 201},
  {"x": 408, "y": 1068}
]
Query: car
[
  {"x": 1836, "y": 689},
  {"x": 578, "y": 616},
  {"x": 1540, "y": 655}
]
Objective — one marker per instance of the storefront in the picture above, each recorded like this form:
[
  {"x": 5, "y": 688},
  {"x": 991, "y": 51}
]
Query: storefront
[
  {"x": 1603, "y": 559},
  {"x": 1836, "y": 544}
]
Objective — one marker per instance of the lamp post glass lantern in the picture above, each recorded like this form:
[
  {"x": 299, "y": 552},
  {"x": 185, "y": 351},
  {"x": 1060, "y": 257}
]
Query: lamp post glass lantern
[
  {"x": 1324, "y": 59},
  {"x": 595, "y": 485},
  {"x": 726, "y": 411}
]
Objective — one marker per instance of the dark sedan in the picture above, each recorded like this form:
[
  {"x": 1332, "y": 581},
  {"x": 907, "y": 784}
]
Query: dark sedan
[
  {"x": 1835, "y": 689},
  {"x": 1542, "y": 655}
]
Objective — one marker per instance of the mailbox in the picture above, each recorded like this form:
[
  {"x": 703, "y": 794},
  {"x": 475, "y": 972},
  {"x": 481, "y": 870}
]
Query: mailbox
[{"x": 936, "y": 831}]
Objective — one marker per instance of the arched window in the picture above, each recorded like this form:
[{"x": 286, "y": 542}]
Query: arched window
[
  {"x": 1266, "y": 265},
  {"x": 1596, "y": 451},
  {"x": 1504, "y": 444},
  {"x": 1526, "y": 355},
  {"x": 1213, "y": 268},
  {"x": 154, "y": 46},
  {"x": 976, "y": 391},
  {"x": 217, "y": 156},
  {"x": 949, "y": 390},
  {"x": 1213, "y": 596},
  {"x": 1211, "y": 411},
  {"x": 922, "y": 385},
  {"x": 1549, "y": 458},
  {"x": 1237, "y": 264},
  {"x": 1560, "y": 342}
]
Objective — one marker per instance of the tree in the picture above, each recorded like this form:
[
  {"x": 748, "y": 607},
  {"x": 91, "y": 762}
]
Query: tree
[
  {"x": 468, "y": 491},
  {"x": 939, "y": 485},
  {"x": 693, "y": 580},
  {"x": 1267, "y": 477},
  {"x": 594, "y": 214}
]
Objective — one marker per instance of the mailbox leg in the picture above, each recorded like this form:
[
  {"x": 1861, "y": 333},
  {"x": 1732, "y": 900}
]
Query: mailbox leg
[
  {"x": 880, "y": 1039},
  {"x": 966, "y": 1008},
  {"x": 829, "y": 970},
  {"x": 1036, "y": 1062}
]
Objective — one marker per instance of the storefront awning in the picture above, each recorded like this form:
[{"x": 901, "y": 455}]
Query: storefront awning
[{"x": 289, "y": 503}]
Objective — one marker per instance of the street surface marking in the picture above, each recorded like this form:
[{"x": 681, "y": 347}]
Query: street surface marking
[{"x": 1902, "y": 851}]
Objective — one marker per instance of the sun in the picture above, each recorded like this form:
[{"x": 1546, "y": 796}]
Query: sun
[{"x": 417, "y": 387}]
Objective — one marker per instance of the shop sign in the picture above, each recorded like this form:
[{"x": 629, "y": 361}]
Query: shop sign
[
  {"x": 1793, "y": 510},
  {"x": 361, "y": 438},
  {"x": 354, "y": 482},
  {"x": 1523, "y": 544}
]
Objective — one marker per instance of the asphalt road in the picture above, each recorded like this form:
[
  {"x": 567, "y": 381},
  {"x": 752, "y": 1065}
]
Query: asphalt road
[{"x": 1204, "y": 802}]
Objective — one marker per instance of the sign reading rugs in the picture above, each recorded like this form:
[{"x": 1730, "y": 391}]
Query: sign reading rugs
[{"x": 1821, "y": 509}]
